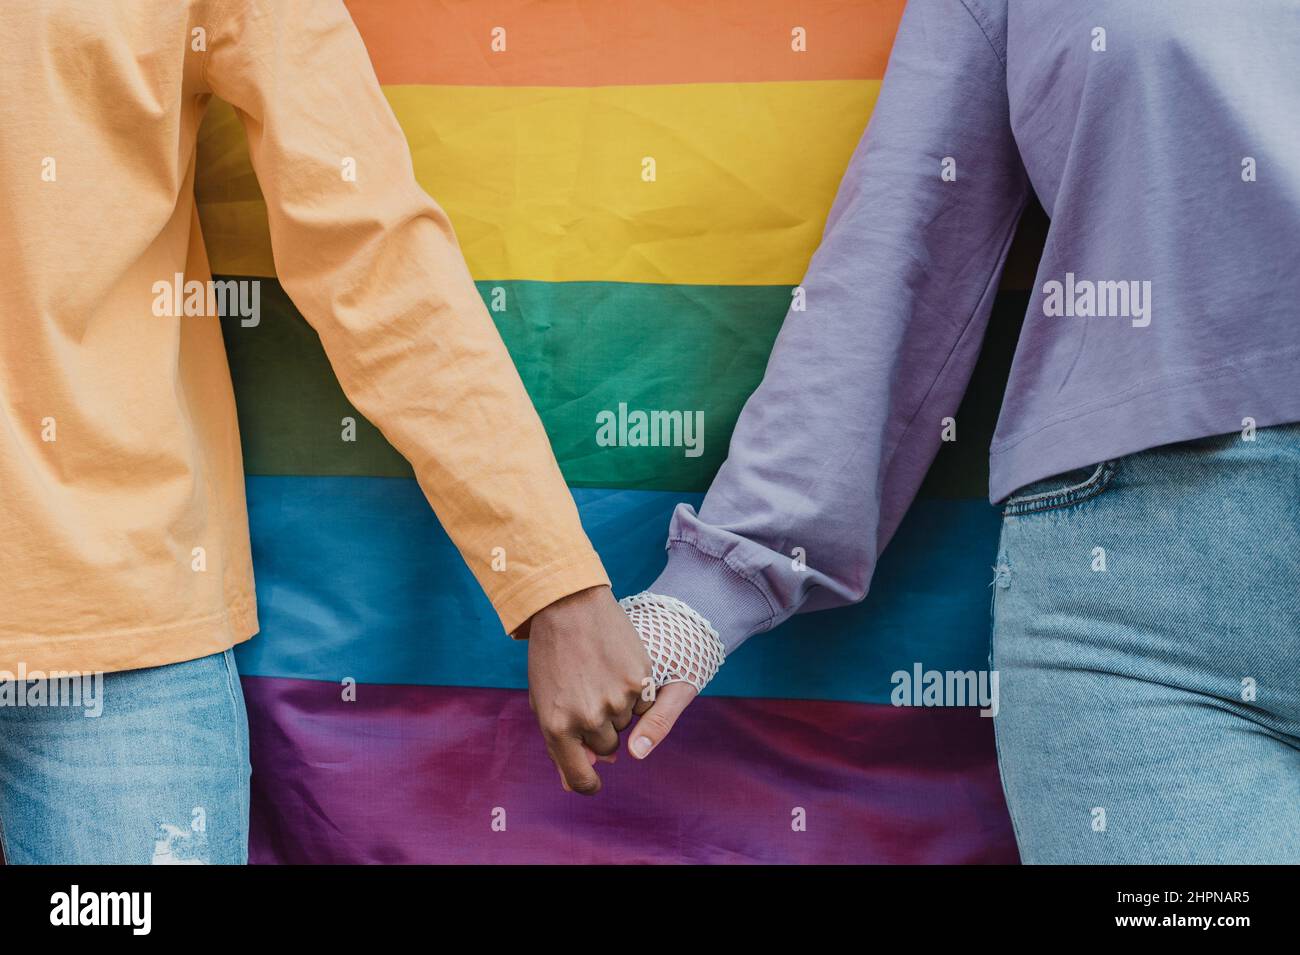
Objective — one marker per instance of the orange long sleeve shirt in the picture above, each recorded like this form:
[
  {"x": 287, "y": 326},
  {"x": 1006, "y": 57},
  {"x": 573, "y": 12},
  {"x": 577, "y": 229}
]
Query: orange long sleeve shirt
[{"x": 123, "y": 530}]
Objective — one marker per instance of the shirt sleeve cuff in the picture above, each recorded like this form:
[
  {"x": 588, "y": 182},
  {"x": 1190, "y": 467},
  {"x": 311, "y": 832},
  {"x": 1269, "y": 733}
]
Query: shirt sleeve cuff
[
  {"x": 547, "y": 586},
  {"x": 733, "y": 604}
]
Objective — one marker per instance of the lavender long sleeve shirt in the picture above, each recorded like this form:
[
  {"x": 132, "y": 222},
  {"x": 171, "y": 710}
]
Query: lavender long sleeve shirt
[{"x": 1162, "y": 138}]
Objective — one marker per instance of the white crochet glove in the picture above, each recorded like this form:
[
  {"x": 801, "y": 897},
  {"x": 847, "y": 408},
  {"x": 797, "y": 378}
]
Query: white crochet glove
[{"x": 683, "y": 648}]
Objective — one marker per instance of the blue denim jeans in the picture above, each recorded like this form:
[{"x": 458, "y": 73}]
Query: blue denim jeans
[
  {"x": 1146, "y": 630},
  {"x": 150, "y": 767}
]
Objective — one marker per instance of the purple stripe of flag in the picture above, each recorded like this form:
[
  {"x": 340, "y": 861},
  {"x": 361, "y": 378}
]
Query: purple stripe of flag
[{"x": 418, "y": 774}]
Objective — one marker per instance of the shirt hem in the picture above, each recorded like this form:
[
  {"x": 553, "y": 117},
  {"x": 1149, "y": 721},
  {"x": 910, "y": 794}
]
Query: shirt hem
[
  {"x": 1262, "y": 390},
  {"x": 115, "y": 651}
]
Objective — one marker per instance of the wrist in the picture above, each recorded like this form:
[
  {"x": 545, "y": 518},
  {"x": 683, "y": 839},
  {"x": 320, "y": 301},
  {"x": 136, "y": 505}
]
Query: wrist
[
  {"x": 683, "y": 646},
  {"x": 578, "y": 602}
]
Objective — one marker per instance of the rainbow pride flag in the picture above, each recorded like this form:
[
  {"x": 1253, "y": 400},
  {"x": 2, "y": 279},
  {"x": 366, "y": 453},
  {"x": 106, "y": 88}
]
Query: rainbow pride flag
[{"x": 529, "y": 123}]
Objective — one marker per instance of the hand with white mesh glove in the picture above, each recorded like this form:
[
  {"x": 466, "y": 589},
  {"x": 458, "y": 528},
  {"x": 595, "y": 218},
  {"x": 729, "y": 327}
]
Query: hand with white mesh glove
[{"x": 685, "y": 654}]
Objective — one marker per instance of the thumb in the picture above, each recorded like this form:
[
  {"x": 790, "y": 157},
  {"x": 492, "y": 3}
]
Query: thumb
[{"x": 658, "y": 721}]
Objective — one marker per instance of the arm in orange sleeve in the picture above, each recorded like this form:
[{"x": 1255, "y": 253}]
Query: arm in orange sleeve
[{"x": 373, "y": 264}]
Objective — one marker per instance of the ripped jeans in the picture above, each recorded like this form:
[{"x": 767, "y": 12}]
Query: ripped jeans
[
  {"x": 150, "y": 766},
  {"x": 1146, "y": 629}
]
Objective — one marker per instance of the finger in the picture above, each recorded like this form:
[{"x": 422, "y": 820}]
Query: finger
[
  {"x": 658, "y": 721},
  {"x": 594, "y": 759},
  {"x": 602, "y": 741},
  {"x": 623, "y": 720},
  {"x": 571, "y": 757}
]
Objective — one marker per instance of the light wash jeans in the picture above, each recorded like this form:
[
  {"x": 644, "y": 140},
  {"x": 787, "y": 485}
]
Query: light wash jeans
[
  {"x": 1146, "y": 628},
  {"x": 160, "y": 775}
]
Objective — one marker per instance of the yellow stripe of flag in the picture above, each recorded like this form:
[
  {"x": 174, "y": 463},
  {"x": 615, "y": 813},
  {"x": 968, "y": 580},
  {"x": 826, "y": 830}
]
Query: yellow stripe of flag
[{"x": 548, "y": 183}]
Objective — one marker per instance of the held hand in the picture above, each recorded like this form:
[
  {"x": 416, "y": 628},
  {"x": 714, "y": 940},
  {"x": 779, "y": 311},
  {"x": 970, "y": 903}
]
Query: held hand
[
  {"x": 657, "y": 722},
  {"x": 685, "y": 654},
  {"x": 586, "y": 670}
]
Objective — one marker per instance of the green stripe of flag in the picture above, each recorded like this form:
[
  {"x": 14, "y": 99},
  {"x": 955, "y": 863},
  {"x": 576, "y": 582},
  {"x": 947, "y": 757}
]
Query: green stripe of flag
[{"x": 582, "y": 348}]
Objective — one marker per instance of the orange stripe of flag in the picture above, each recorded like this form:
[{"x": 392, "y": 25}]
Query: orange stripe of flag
[{"x": 624, "y": 42}]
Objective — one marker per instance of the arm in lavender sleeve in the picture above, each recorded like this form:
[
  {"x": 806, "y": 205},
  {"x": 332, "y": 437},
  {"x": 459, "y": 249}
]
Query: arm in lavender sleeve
[{"x": 830, "y": 450}]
